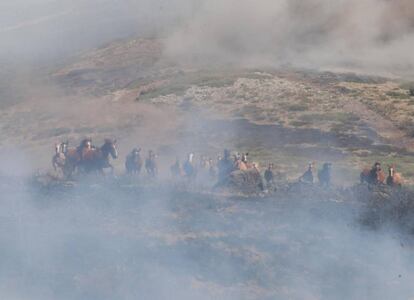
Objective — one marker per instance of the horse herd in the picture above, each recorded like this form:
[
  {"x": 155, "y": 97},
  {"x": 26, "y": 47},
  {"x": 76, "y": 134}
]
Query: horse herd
[{"x": 87, "y": 158}]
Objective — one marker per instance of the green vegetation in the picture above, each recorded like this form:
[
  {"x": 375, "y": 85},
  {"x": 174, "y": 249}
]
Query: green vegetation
[
  {"x": 341, "y": 117},
  {"x": 297, "y": 107},
  {"x": 180, "y": 83},
  {"x": 398, "y": 95}
]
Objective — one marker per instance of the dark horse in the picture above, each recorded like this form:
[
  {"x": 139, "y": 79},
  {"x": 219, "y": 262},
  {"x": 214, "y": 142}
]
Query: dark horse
[
  {"x": 151, "y": 164},
  {"x": 189, "y": 168},
  {"x": 97, "y": 159},
  {"x": 133, "y": 162},
  {"x": 324, "y": 175},
  {"x": 374, "y": 176}
]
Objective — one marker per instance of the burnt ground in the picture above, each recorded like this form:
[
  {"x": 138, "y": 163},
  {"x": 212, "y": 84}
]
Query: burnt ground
[{"x": 112, "y": 240}]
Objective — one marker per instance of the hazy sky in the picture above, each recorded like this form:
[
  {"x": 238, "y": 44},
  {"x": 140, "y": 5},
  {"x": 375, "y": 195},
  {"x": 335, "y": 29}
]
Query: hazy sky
[{"x": 374, "y": 34}]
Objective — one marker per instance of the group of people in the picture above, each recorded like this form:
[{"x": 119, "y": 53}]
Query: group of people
[{"x": 87, "y": 158}]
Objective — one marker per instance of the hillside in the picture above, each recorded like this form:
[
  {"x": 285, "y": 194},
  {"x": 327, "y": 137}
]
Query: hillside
[{"x": 130, "y": 90}]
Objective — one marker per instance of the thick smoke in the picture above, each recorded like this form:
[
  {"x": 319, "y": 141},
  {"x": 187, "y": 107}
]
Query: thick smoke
[
  {"x": 366, "y": 35},
  {"x": 105, "y": 242},
  {"x": 371, "y": 35}
]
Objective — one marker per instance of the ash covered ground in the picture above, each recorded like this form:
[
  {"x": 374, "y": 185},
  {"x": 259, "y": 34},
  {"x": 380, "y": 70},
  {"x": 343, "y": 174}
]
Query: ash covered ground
[{"x": 116, "y": 240}]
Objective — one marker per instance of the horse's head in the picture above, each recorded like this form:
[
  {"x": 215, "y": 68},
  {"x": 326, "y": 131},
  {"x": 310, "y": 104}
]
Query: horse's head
[
  {"x": 377, "y": 166},
  {"x": 391, "y": 171},
  {"x": 109, "y": 147},
  {"x": 136, "y": 151},
  {"x": 310, "y": 166},
  {"x": 244, "y": 157},
  {"x": 57, "y": 148},
  {"x": 190, "y": 157},
  {"x": 151, "y": 154},
  {"x": 64, "y": 147},
  {"x": 327, "y": 166}
]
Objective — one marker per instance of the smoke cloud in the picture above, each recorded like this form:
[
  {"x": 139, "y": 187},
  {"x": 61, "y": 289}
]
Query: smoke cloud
[
  {"x": 367, "y": 34},
  {"x": 107, "y": 242},
  {"x": 374, "y": 35}
]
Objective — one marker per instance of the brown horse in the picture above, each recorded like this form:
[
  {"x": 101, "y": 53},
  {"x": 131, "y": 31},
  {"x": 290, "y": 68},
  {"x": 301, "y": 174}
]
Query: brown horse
[
  {"x": 97, "y": 159},
  {"x": 133, "y": 162},
  {"x": 74, "y": 156},
  {"x": 240, "y": 162},
  {"x": 394, "y": 179},
  {"x": 375, "y": 175}
]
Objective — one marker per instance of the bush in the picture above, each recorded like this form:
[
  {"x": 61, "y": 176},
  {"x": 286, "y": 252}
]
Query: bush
[{"x": 297, "y": 107}]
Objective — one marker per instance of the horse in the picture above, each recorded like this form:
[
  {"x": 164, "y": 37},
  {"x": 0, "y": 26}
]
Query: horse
[
  {"x": 240, "y": 162},
  {"x": 212, "y": 170},
  {"x": 189, "y": 169},
  {"x": 268, "y": 175},
  {"x": 176, "y": 168},
  {"x": 74, "y": 156},
  {"x": 374, "y": 176},
  {"x": 151, "y": 164},
  {"x": 59, "y": 159},
  {"x": 307, "y": 177},
  {"x": 97, "y": 159},
  {"x": 394, "y": 179},
  {"x": 225, "y": 166},
  {"x": 133, "y": 162},
  {"x": 324, "y": 175}
]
